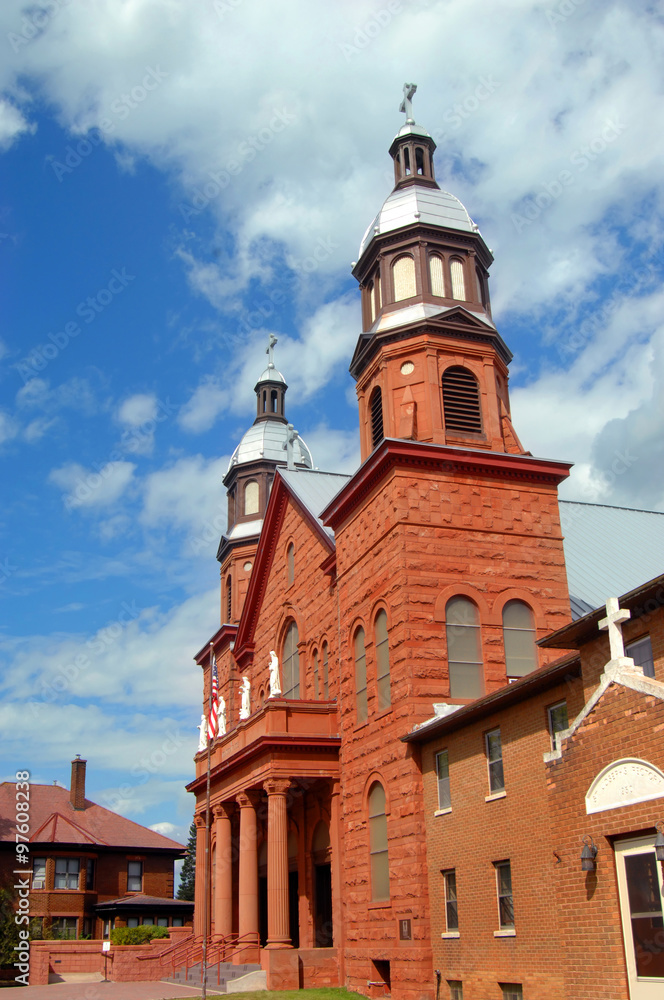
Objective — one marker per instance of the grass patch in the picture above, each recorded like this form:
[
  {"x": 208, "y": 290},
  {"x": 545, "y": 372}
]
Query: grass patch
[{"x": 327, "y": 993}]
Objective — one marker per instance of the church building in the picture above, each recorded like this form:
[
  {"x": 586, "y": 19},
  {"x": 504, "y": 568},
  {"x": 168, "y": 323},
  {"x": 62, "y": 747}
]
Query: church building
[{"x": 369, "y": 623}]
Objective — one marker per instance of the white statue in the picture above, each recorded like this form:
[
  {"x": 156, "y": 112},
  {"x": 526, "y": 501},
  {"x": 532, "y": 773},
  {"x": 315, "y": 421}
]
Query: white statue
[
  {"x": 202, "y": 729},
  {"x": 222, "y": 716},
  {"x": 275, "y": 683},
  {"x": 245, "y": 708}
]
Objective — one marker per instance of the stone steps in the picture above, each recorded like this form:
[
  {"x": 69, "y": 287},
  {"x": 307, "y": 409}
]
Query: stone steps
[{"x": 217, "y": 977}]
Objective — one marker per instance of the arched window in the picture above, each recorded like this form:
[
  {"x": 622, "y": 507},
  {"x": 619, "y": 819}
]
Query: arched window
[
  {"x": 372, "y": 301},
  {"x": 461, "y": 401},
  {"x": 406, "y": 160},
  {"x": 326, "y": 681},
  {"x": 264, "y": 400},
  {"x": 458, "y": 283},
  {"x": 376, "y": 411},
  {"x": 519, "y": 639},
  {"x": 481, "y": 286},
  {"x": 403, "y": 277},
  {"x": 419, "y": 160},
  {"x": 290, "y": 563},
  {"x": 290, "y": 661},
  {"x": 380, "y": 868},
  {"x": 251, "y": 497},
  {"x": 229, "y": 598},
  {"x": 464, "y": 648},
  {"x": 436, "y": 275},
  {"x": 274, "y": 396},
  {"x": 316, "y": 674},
  {"x": 376, "y": 295},
  {"x": 360, "y": 676},
  {"x": 382, "y": 662}
]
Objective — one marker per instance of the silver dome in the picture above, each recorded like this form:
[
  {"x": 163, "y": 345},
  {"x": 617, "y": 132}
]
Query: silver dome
[
  {"x": 267, "y": 439},
  {"x": 271, "y": 374},
  {"x": 425, "y": 205}
]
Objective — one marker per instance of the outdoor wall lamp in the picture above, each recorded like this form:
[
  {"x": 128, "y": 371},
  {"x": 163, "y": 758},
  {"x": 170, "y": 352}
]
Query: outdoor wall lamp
[
  {"x": 589, "y": 853},
  {"x": 659, "y": 842}
]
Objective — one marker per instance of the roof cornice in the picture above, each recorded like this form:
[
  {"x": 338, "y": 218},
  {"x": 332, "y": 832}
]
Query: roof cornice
[{"x": 219, "y": 641}]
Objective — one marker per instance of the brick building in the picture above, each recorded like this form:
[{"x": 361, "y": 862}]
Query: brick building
[
  {"x": 426, "y": 578},
  {"x": 91, "y": 869}
]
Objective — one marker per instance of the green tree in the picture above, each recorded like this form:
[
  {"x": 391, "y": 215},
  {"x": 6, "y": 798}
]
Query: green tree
[
  {"x": 8, "y": 927},
  {"x": 187, "y": 885}
]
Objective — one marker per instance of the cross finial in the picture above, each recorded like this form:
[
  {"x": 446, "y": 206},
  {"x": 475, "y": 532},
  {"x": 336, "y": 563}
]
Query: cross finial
[
  {"x": 288, "y": 445},
  {"x": 269, "y": 350},
  {"x": 615, "y": 616},
  {"x": 407, "y": 104}
]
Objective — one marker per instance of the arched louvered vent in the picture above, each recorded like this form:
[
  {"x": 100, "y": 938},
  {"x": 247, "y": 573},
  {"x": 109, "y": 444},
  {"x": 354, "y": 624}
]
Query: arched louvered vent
[
  {"x": 461, "y": 401},
  {"x": 376, "y": 407}
]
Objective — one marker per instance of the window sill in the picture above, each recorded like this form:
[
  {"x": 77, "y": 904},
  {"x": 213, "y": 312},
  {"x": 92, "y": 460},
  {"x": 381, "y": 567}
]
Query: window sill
[
  {"x": 450, "y": 935},
  {"x": 383, "y": 713},
  {"x": 495, "y": 795},
  {"x": 380, "y": 905},
  {"x": 508, "y": 932},
  {"x": 443, "y": 812}
]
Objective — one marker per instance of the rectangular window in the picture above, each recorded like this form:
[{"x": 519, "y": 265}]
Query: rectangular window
[
  {"x": 443, "y": 774},
  {"x": 132, "y": 921},
  {"x": 451, "y": 912},
  {"x": 641, "y": 652},
  {"x": 66, "y": 873},
  {"x": 134, "y": 876},
  {"x": 456, "y": 989},
  {"x": 148, "y": 921},
  {"x": 162, "y": 921},
  {"x": 177, "y": 922},
  {"x": 494, "y": 756},
  {"x": 512, "y": 991},
  {"x": 505, "y": 901},
  {"x": 64, "y": 928},
  {"x": 558, "y": 720},
  {"x": 90, "y": 873},
  {"x": 39, "y": 873}
]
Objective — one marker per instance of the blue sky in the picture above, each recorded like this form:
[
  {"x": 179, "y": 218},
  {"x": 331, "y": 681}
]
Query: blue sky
[{"x": 180, "y": 180}]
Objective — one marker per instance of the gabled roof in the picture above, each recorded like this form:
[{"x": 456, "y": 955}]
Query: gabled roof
[
  {"x": 609, "y": 551},
  {"x": 314, "y": 490},
  {"x": 53, "y": 820}
]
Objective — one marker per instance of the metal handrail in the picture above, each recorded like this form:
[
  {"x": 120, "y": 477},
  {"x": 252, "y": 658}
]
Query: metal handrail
[{"x": 187, "y": 953}]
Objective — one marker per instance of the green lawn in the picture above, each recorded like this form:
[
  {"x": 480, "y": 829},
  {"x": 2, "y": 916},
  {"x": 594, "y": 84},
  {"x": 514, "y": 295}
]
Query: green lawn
[{"x": 324, "y": 994}]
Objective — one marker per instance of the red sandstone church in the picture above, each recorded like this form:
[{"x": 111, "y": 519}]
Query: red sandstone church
[{"x": 400, "y": 805}]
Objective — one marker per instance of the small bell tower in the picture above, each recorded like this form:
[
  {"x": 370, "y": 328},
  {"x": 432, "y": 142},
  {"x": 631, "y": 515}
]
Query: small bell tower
[{"x": 429, "y": 363}]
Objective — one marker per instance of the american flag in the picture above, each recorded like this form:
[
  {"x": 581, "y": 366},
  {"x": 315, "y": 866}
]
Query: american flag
[{"x": 213, "y": 720}]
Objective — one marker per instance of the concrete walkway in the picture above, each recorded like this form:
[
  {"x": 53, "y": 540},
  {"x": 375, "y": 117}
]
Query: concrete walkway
[{"x": 105, "y": 991}]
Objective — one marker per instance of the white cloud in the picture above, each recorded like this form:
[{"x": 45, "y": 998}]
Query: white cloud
[
  {"x": 12, "y": 124},
  {"x": 92, "y": 488},
  {"x": 189, "y": 497},
  {"x": 202, "y": 409},
  {"x": 8, "y": 427},
  {"x": 138, "y": 409}
]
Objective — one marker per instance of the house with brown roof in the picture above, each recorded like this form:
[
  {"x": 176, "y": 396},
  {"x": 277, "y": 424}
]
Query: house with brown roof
[{"x": 91, "y": 869}]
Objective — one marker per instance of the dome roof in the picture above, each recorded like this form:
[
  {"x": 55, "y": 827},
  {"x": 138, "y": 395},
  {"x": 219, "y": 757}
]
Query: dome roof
[
  {"x": 267, "y": 439},
  {"x": 271, "y": 374},
  {"x": 425, "y": 205}
]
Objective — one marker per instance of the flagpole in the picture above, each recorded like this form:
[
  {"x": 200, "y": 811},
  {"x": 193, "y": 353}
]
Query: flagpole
[{"x": 206, "y": 874}]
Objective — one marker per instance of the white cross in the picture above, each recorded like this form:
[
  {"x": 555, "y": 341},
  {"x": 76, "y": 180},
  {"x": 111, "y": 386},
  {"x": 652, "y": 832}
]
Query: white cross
[
  {"x": 407, "y": 103},
  {"x": 615, "y": 616},
  {"x": 269, "y": 350}
]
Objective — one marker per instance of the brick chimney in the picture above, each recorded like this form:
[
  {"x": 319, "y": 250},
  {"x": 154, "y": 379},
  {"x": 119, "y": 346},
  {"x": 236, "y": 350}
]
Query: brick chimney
[{"x": 77, "y": 788}]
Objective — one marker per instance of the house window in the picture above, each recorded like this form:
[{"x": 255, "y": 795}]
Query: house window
[
  {"x": 64, "y": 928},
  {"x": 458, "y": 283},
  {"x": 162, "y": 921},
  {"x": 251, "y": 497},
  {"x": 403, "y": 278},
  {"x": 132, "y": 922},
  {"x": 464, "y": 648},
  {"x": 360, "y": 676},
  {"x": 383, "y": 662},
  {"x": 505, "y": 900},
  {"x": 456, "y": 989},
  {"x": 443, "y": 775},
  {"x": 134, "y": 876},
  {"x": 290, "y": 563},
  {"x": 326, "y": 682},
  {"x": 291, "y": 663},
  {"x": 177, "y": 922},
  {"x": 451, "y": 912},
  {"x": 641, "y": 652},
  {"x": 512, "y": 991},
  {"x": 90, "y": 873},
  {"x": 436, "y": 275},
  {"x": 39, "y": 873},
  {"x": 494, "y": 756},
  {"x": 316, "y": 679},
  {"x": 376, "y": 410},
  {"x": 461, "y": 401},
  {"x": 519, "y": 639},
  {"x": 148, "y": 921},
  {"x": 380, "y": 874},
  {"x": 66, "y": 873},
  {"x": 558, "y": 720}
]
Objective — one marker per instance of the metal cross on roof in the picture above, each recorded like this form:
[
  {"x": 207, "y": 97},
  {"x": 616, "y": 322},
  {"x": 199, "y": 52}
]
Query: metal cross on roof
[
  {"x": 288, "y": 445},
  {"x": 615, "y": 616},
  {"x": 407, "y": 103},
  {"x": 269, "y": 350}
]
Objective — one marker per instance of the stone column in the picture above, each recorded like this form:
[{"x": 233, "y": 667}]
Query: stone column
[
  {"x": 223, "y": 902},
  {"x": 278, "y": 931},
  {"x": 248, "y": 887},
  {"x": 199, "y": 908}
]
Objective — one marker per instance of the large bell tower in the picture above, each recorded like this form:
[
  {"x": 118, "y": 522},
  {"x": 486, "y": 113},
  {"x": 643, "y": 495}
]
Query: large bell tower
[{"x": 429, "y": 364}]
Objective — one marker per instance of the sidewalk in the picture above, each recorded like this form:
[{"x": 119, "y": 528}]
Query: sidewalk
[{"x": 104, "y": 991}]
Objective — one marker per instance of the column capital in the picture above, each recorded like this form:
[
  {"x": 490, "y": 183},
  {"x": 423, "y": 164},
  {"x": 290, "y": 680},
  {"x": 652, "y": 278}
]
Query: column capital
[
  {"x": 223, "y": 810},
  {"x": 277, "y": 786},
  {"x": 199, "y": 821},
  {"x": 247, "y": 798}
]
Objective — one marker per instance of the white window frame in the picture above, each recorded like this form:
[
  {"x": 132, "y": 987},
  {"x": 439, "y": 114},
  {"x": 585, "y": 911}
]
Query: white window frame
[
  {"x": 451, "y": 897},
  {"x": 444, "y": 802},
  {"x": 131, "y": 875},
  {"x": 549, "y": 714},
  {"x": 504, "y": 928},
  {"x": 495, "y": 790}
]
